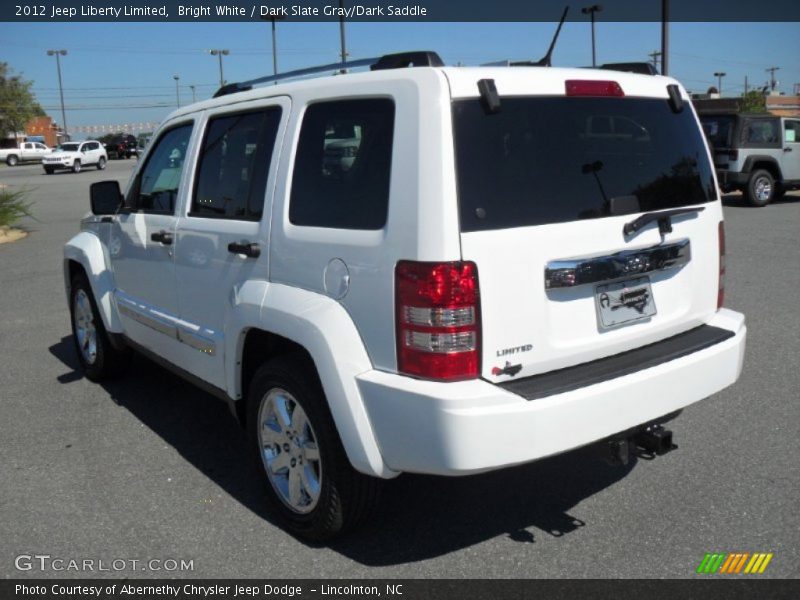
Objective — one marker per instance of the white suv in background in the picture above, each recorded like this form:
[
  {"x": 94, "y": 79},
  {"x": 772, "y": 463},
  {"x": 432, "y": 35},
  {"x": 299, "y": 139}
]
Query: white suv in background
[
  {"x": 74, "y": 156},
  {"x": 494, "y": 278}
]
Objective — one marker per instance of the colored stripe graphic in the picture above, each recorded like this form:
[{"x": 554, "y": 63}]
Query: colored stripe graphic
[{"x": 733, "y": 563}]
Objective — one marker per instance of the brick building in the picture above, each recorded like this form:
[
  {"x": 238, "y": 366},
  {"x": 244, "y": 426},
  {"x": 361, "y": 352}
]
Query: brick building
[{"x": 46, "y": 128}]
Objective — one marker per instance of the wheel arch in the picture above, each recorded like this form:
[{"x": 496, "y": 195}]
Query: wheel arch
[
  {"x": 85, "y": 253},
  {"x": 767, "y": 163},
  {"x": 290, "y": 321}
]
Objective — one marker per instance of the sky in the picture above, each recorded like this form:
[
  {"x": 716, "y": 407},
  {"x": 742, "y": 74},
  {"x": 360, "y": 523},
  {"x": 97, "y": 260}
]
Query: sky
[{"x": 122, "y": 73}]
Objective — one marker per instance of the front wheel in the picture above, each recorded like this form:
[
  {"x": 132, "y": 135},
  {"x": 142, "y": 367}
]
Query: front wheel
[
  {"x": 98, "y": 358},
  {"x": 101, "y": 164},
  {"x": 76, "y": 166},
  {"x": 49, "y": 170},
  {"x": 311, "y": 485},
  {"x": 760, "y": 188},
  {"x": 12, "y": 160}
]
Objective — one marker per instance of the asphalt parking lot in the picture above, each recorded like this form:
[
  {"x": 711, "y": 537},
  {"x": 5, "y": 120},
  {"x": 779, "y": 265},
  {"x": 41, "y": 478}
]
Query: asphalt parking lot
[{"x": 151, "y": 468}]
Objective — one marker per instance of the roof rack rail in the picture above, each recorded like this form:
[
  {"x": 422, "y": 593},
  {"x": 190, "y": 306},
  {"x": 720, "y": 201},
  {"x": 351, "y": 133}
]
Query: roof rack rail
[
  {"x": 418, "y": 58},
  {"x": 643, "y": 68}
]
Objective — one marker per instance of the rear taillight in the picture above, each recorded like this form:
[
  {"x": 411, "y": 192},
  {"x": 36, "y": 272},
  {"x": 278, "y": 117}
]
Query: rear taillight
[
  {"x": 721, "y": 288},
  {"x": 438, "y": 324},
  {"x": 592, "y": 87}
]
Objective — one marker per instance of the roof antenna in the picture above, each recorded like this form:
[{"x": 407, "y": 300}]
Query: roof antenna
[{"x": 545, "y": 61}]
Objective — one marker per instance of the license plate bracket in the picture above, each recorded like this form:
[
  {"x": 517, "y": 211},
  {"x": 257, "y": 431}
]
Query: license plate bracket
[{"x": 624, "y": 302}]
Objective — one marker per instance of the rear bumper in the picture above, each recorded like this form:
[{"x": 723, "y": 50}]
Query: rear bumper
[{"x": 473, "y": 426}]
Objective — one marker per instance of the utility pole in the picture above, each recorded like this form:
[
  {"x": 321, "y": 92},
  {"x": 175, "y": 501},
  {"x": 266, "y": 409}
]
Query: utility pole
[
  {"x": 655, "y": 54},
  {"x": 58, "y": 54},
  {"x": 746, "y": 88},
  {"x": 719, "y": 75},
  {"x": 341, "y": 34},
  {"x": 664, "y": 37},
  {"x": 591, "y": 10},
  {"x": 772, "y": 82}
]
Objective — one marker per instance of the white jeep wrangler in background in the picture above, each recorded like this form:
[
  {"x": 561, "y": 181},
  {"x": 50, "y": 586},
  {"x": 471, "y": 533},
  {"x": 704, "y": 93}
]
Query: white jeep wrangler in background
[{"x": 500, "y": 264}]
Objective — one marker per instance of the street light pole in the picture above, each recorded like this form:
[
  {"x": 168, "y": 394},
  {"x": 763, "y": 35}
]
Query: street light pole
[
  {"x": 591, "y": 10},
  {"x": 177, "y": 90},
  {"x": 220, "y": 54},
  {"x": 58, "y": 54},
  {"x": 719, "y": 75},
  {"x": 664, "y": 37},
  {"x": 341, "y": 33},
  {"x": 191, "y": 87}
]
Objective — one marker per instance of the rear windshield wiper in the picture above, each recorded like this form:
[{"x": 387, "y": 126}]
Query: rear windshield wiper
[{"x": 663, "y": 217}]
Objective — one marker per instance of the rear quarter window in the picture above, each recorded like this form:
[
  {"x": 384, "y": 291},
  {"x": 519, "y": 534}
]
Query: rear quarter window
[{"x": 343, "y": 164}]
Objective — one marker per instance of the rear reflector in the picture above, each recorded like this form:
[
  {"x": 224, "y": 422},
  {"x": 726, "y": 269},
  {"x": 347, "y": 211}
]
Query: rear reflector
[
  {"x": 437, "y": 320},
  {"x": 721, "y": 287},
  {"x": 593, "y": 87}
]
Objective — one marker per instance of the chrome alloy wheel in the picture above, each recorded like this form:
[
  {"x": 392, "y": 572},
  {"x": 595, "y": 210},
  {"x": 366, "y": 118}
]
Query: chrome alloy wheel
[
  {"x": 289, "y": 451},
  {"x": 85, "y": 330},
  {"x": 763, "y": 189}
]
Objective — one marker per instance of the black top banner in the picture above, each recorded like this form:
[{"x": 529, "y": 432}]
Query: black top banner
[{"x": 397, "y": 10}]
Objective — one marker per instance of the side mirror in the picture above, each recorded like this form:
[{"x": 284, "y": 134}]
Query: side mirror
[{"x": 106, "y": 197}]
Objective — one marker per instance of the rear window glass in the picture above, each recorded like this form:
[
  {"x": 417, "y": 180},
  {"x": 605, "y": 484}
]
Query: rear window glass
[
  {"x": 550, "y": 160},
  {"x": 718, "y": 130}
]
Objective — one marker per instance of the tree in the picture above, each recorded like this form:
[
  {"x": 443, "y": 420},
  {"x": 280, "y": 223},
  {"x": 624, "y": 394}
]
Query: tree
[
  {"x": 18, "y": 105},
  {"x": 753, "y": 102}
]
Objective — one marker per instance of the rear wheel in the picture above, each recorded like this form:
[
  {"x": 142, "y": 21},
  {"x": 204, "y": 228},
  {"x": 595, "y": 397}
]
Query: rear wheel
[
  {"x": 101, "y": 164},
  {"x": 12, "y": 160},
  {"x": 760, "y": 188},
  {"x": 98, "y": 358},
  {"x": 76, "y": 166},
  {"x": 311, "y": 485}
]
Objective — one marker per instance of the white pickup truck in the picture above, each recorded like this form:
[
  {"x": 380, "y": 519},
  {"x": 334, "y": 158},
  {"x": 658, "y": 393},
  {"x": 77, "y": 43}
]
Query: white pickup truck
[{"x": 27, "y": 152}]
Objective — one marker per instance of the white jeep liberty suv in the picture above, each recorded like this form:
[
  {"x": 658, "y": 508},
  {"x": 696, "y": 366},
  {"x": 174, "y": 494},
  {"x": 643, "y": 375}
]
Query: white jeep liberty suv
[{"x": 439, "y": 270}]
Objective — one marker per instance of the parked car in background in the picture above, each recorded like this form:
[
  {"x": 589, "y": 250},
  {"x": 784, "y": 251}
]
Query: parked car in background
[
  {"x": 76, "y": 155},
  {"x": 27, "y": 152},
  {"x": 123, "y": 146},
  {"x": 758, "y": 154}
]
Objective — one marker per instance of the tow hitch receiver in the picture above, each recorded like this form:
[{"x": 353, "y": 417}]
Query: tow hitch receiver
[
  {"x": 647, "y": 442},
  {"x": 654, "y": 441}
]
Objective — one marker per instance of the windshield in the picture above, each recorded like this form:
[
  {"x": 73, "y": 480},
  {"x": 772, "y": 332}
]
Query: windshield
[
  {"x": 69, "y": 147},
  {"x": 555, "y": 159}
]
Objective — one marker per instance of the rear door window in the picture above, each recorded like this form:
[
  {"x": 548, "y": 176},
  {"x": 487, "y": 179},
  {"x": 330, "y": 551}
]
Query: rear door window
[{"x": 543, "y": 160}]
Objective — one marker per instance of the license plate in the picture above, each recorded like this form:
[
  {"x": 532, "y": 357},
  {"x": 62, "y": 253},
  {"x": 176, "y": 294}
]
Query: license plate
[{"x": 624, "y": 302}]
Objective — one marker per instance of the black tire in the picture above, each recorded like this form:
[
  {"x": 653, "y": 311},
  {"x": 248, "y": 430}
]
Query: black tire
[
  {"x": 101, "y": 164},
  {"x": 346, "y": 497},
  {"x": 76, "y": 166},
  {"x": 12, "y": 160},
  {"x": 108, "y": 362},
  {"x": 49, "y": 170},
  {"x": 760, "y": 189}
]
